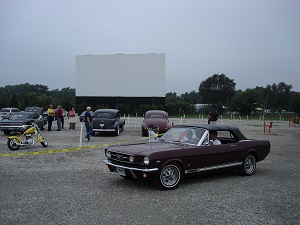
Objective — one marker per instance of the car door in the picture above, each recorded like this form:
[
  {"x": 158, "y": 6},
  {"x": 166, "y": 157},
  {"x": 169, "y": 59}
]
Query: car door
[
  {"x": 219, "y": 154},
  {"x": 214, "y": 155}
]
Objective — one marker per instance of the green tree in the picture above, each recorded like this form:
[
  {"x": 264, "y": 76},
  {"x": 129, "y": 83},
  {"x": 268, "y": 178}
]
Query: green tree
[
  {"x": 176, "y": 108},
  {"x": 217, "y": 89},
  {"x": 67, "y": 102},
  {"x": 14, "y": 101},
  {"x": 44, "y": 101},
  {"x": 278, "y": 95},
  {"x": 246, "y": 101},
  {"x": 64, "y": 97},
  {"x": 124, "y": 109},
  {"x": 171, "y": 97},
  {"x": 193, "y": 97},
  {"x": 4, "y": 102},
  {"x": 295, "y": 102},
  {"x": 30, "y": 99}
]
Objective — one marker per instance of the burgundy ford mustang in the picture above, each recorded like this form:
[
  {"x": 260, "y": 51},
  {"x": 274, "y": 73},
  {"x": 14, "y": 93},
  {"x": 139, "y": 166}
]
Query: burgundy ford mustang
[
  {"x": 157, "y": 118},
  {"x": 175, "y": 155}
]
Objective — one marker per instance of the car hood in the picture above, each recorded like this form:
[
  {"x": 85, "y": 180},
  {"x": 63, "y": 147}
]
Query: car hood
[
  {"x": 140, "y": 148},
  {"x": 36, "y": 109}
]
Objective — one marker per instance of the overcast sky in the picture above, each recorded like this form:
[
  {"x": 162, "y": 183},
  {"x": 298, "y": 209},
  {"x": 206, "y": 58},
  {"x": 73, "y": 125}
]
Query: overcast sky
[{"x": 253, "y": 42}]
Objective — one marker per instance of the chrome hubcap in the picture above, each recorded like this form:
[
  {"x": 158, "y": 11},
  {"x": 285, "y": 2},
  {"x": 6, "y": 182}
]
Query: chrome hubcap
[
  {"x": 249, "y": 164},
  {"x": 170, "y": 176}
]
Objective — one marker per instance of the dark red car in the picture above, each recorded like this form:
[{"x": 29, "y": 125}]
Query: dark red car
[
  {"x": 185, "y": 150},
  {"x": 157, "y": 118}
]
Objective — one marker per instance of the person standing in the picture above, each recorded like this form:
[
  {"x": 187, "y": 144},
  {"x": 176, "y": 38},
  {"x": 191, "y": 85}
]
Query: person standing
[
  {"x": 152, "y": 133},
  {"x": 213, "y": 117},
  {"x": 50, "y": 117},
  {"x": 72, "y": 118},
  {"x": 88, "y": 120},
  {"x": 59, "y": 115},
  {"x": 62, "y": 118}
]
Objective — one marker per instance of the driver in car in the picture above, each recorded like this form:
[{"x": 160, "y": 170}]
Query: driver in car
[{"x": 213, "y": 134}]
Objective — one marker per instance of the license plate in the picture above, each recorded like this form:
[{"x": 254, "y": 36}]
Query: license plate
[{"x": 120, "y": 171}]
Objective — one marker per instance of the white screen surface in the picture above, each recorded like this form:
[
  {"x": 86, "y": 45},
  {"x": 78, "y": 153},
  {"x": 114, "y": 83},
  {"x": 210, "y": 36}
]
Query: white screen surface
[{"x": 134, "y": 75}]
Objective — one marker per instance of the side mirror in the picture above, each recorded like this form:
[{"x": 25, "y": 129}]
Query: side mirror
[{"x": 211, "y": 142}]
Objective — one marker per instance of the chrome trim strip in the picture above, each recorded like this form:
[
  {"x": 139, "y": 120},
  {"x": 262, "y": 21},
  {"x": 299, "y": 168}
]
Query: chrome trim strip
[
  {"x": 103, "y": 130},
  {"x": 129, "y": 168},
  {"x": 213, "y": 167},
  {"x": 12, "y": 126}
]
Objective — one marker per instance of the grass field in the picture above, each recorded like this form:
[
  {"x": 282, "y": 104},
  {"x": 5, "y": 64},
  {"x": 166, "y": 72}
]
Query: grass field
[{"x": 238, "y": 117}]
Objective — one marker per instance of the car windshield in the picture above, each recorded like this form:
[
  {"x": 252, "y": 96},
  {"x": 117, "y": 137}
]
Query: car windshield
[
  {"x": 20, "y": 116},
  {"x": 156, "y": 116},
  {"x": 5, "y": 110},
  {"x": 188, "y": 135},
  {"x": 104, "y": 115}
]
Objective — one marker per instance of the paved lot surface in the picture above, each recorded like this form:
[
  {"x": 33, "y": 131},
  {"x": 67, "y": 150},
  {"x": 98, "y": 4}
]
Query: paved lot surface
[{"x": 63, "y": 185}]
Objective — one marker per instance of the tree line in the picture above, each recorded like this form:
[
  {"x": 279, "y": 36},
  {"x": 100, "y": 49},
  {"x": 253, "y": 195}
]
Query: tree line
[
  {"x": 220, "y": 92},
  {"x": 25, "y": 95},
  {"x": 216, "y": 91}
]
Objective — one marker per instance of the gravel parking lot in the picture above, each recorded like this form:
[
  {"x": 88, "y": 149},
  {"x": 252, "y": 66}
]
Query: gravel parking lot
[{"x": 63, "y": 184}]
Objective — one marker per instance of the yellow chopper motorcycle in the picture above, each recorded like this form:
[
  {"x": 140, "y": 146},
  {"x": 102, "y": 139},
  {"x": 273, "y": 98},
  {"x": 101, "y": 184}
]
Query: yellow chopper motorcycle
[{"x": 27, "y": 135}]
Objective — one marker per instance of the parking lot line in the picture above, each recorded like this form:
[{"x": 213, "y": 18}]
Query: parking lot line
[{"x": 55, "y": 150}]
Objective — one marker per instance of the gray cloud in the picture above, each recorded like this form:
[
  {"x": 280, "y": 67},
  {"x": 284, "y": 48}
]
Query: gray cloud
[{"x": 253, "y": 42}]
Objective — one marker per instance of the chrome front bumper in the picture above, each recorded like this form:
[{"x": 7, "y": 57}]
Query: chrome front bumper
[
  {"x": 130, "y": 168},
  {"x": 104, "y": 130}
]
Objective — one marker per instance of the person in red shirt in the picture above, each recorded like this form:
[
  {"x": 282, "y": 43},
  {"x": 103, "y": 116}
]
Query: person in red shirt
[{"x": 59, "y": 115}]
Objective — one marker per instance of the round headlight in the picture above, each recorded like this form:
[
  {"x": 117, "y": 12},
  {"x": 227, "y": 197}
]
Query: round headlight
[
  {"x": 108, "y": 154},
  {"x": 146, "y": 160},
  {"x": 131, "y": 158}
]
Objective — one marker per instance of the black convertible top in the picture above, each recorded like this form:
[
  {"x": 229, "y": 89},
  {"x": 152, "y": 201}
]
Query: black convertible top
[{"x": 216, "y": 127}]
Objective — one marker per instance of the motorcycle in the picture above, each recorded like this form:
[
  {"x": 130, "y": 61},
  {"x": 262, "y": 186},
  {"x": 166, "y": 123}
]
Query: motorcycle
[{"x": 27, "y": 135}]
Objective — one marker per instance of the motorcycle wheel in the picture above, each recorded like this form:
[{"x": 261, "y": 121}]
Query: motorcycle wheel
[
  {"x": 44, "y": 143},
  {"x": 11, "y": 143}
]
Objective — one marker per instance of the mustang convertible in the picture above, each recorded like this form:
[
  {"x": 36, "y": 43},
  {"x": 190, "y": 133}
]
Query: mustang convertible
[{"x": 186, "y": 150}]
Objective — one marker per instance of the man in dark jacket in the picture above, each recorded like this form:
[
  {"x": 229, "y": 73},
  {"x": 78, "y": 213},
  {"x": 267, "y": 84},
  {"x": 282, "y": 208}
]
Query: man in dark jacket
[
  {"x": 88, "y": 122},
  {"x": 213, "y": 117}
]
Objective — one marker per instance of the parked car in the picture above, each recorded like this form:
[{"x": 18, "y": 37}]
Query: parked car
[
  {"x": 108, "y": 120},
  {"x": 172, "y": 157},
  {"x": 18, "y": 119},
  {"x": 81, "y": 116},
  {"x": 6, "y": 112},
  {"x": 157, "y": 118}
]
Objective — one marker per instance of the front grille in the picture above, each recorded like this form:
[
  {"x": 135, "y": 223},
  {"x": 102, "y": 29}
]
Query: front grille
[{"x": 121, "y": 157}]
